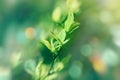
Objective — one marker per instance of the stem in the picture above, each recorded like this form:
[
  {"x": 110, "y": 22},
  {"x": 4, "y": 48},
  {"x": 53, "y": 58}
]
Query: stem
[{"x": 52, "y": 64}]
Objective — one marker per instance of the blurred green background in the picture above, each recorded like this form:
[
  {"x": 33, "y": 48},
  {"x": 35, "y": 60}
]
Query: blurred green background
[{"x": 95, "y": 46}]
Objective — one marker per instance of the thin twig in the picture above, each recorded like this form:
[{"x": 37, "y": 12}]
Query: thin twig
[{"x": 51, "y": 67}]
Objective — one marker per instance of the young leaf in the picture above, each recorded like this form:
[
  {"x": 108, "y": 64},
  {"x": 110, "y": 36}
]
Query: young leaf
[
  {"x": 66, "y": 59},
  {"x": 74, "y": 26},
  {"x": 62, "y": 35},
  {"x": 56, "y": 37},
  {"x": 58, "y": 66},
  {"x": 66, "y": 41},
  {"x": 69, "y": 21},
  {"x": 41, "y": 71},
  {"x": 46, "y": 43},
  {"x": 30, "y": 66},
  {"x": 58, "y": 47},
  {"x": 52, "y": 46},
  {"x": 56, "y": 14}
]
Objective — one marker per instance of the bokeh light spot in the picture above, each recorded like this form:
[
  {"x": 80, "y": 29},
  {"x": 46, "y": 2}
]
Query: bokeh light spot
[
  {"x": 86, "y": 50},
  {"x": 75, "y": 71},
  {"x": 110, "y": 57},
  {"x": 20, "y": 37},
  {"x": 30, "y": 32}
]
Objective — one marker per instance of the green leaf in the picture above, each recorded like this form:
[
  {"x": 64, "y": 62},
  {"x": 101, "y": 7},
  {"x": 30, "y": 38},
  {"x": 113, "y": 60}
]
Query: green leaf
[
  {"x": 62, "y": 35},
  {"x": 52, "y": 46},
  {"x": 58, "y": 47},
  {"x": 66, "y": 41},
  {"x": 66, "y": 59},
  {"x": 58, "y": 66},
  {"x": 56, "y": 37},
  {"x": 41, "y": 71},
  {"x": 69, "y": 21},
  {"x": 30, "y": 66},
  {"x": 57, "y": 14},
  {"x": 46, "y": 43},
  {"x": 74, "y": 26}
]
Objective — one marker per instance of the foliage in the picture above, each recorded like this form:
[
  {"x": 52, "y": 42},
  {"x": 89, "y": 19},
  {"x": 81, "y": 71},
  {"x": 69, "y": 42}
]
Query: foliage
[
  {"x": 55, "y": 43},
  {"x": 30, "y": 39}
]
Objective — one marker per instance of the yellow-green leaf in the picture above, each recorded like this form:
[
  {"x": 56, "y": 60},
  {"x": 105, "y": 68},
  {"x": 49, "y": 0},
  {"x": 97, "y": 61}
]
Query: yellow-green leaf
[
  {"x": 52, "y": 46},
  {"x": 74, "y": 26},
  {"x": 66, "y": 41},
  {"x": 55, "y": 36},
  {"x": 62, "y": 35},
  {"x": 69, "y": 21},
  {"x": 46, "y": 43}
]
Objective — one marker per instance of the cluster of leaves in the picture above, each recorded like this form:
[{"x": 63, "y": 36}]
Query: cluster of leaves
[
  {"x": 57, "y": 40},
  {"x": 54, "y": 44}
]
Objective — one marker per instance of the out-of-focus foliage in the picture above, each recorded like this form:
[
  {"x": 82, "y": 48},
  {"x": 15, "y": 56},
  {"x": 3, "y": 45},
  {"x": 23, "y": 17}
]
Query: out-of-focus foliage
[
  {"x": 94, "y": 47},
  {"x": 54, "y": 44}
]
